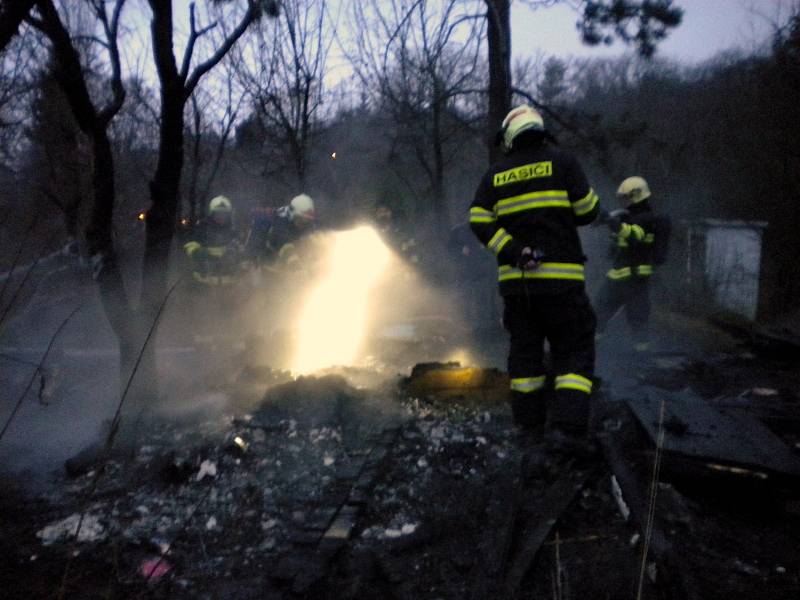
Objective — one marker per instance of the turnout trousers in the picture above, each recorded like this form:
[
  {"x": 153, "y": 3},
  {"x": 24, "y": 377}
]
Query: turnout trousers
[
  {"x": 566, "y": 320},
  {"x": 632, "y": 295}
]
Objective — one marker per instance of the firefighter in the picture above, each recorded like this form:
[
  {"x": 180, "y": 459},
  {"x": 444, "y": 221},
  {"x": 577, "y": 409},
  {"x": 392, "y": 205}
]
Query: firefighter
[
  {"x": 639, "y": 239},
  {"x": 214, "y": 249},
  {"x": 215, "y": 255},
  {"x": 389, "y": 225},
  {"x": 526, "y": 211},
  {"x": 274, "y": 232}
]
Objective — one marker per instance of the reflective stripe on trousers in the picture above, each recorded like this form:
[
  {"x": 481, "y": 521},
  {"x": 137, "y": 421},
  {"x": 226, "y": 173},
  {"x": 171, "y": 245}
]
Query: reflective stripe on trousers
[
  {"x": 573, "y": 381},
  {"x": 527, "y": 385},
  {"x": 545, "y": 270}
]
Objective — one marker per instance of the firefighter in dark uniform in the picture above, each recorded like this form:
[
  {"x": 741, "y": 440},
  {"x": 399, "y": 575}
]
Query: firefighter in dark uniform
[
  {"x": 388, "y": 222},
  {"x": 215, "y": 255},
  {"x": 214, "y": 249},
  {"x": 275, "y": 232},
  {"x": 639, "y": 239},
  {"x": 526, "y": 211}
]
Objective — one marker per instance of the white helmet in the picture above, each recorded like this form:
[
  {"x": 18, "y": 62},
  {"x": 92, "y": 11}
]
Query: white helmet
[
  {"x": 220, "y": 204},
  {"x": 302, "y": 207},
  {"x": 633, "y": 190},
  {"x": 519, "y": 119}
]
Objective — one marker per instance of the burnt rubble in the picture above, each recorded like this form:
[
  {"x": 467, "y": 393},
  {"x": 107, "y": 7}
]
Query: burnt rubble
[{"x": 324, "y": 490}]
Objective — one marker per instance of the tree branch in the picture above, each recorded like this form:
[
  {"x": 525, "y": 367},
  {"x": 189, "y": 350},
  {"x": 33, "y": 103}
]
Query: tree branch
[
  {"x": 118, "y": 90},
  {"x": 194, "y": 34},
  {"x": 252, "y": 14}
]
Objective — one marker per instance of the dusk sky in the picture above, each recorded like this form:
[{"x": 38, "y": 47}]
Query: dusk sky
[{"x": 708, "y": 27}]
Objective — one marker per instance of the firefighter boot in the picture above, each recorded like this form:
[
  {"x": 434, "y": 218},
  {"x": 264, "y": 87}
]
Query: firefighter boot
[
  {"x": 569, "y": 413},
  {"x": 529, "y": 409}
]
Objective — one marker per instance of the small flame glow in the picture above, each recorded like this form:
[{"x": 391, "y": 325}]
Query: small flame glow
[
  {"x": 461, "y": 356},
  {"x": 332, "y": 324}
]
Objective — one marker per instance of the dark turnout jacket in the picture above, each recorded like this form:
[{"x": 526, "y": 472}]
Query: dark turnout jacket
[
  {"x": 272, "y": 234},
  {"x": 536, "y": 196},
  {"x": 214, "y": 252},
  {"x": 640, "y": 243}
]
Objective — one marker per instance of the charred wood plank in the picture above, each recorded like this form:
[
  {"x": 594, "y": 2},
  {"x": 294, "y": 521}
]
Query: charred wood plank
[
  {"x": 779, "y": 342},
  {"x": 695, "y": 429},
  {"x": 502, "y": 511},
  {"x": 634, "y": 491},
  {"x": 779, "y": 417},
  {"x": 550, "y": 508}
]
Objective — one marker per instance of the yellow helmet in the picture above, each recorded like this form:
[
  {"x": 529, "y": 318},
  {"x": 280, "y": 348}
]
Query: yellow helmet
[
  {"x": 633, "y": 190},
  {"x": 220, "y": 204},
  {"x": 519, "y": 119},
  {"x": 302, "y": 207}
]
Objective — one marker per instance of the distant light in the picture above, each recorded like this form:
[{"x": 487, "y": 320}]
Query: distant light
[
  {"x": 333, "y": 155},
  {"x": 184, "y": 222},
  {"x": 142, "y": 216},
  {"x": 332, "y": 323}
]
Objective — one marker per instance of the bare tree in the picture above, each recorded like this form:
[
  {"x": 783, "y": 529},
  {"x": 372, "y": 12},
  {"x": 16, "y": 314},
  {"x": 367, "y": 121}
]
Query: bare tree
[
  {"x": 212, "y": 117},
  {"x": 498, "y": 14},
  {"x": 419, "y": 57},
  {"x": 282, "y": 69},
  {"x": 177, "y": 84},
  {"x": 57, "y": 153},
  {"x": 17, "y": 80},
  {"x": 134, "y": 136},
  {"x": 93, "y": 121}
]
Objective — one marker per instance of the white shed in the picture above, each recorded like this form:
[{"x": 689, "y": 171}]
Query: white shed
[{"x": 724, "y": 260}]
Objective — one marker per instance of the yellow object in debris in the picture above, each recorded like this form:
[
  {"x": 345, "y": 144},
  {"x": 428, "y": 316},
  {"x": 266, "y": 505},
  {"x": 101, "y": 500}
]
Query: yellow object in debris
[{"x": 452, "y": 380}]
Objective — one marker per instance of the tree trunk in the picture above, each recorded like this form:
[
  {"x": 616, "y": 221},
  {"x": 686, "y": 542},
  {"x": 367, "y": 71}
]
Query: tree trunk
[
  {"x": 162, "y": 216},
  {"x": 499, "y": 51},
  {"x": 99, "y": 232},
  {"x": 159, "y": 232},
  {"x": 71, "y": 215},
  {"x": 191, "y": 196},
  {"x": 440, "y": 201},
  {"x": 99, "y": 235}
]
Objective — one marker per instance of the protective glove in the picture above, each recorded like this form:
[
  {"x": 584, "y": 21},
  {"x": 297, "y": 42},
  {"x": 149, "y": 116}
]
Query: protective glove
[
  {"x": 612, "y": 219},
  {"x": 529, "y": 258}
]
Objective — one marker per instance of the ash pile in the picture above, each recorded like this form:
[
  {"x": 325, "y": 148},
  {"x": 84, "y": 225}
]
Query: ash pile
[{"x": 420, "y": 488}]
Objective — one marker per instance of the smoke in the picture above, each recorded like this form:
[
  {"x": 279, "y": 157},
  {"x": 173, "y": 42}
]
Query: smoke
[
  {"x": 355, "y": 302},
  {"x": 332, "y": 324}
]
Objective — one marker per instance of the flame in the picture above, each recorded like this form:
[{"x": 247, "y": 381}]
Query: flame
[
  {"x": 333, "y": 321},
  {"x": 141, "y": 216}
]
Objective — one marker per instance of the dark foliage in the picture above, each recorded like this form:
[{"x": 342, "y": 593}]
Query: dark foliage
[{"x": 643, "y": 24}]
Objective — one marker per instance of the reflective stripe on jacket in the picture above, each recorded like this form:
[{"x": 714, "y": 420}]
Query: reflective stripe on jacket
[
  {"x": 536, "y": 196},
  {"x": 633, "y": 254},
  {"x": 214, "y": 254}
]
